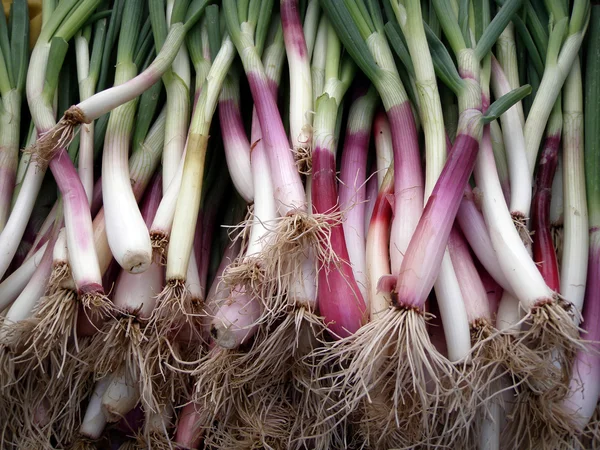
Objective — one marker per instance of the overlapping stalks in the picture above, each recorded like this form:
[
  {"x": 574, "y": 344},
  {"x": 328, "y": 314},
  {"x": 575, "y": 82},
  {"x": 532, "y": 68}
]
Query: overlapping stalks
[{"x": 302, "y": 224}]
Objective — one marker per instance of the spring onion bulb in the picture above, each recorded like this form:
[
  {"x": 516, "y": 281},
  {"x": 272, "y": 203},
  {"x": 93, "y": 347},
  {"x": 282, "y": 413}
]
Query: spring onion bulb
[
  {"x": 352, "y": 185},
  {"x": 173, "y": 304}
]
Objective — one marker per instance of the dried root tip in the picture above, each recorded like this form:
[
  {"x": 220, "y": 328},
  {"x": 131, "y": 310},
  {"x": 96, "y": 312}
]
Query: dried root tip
[
  {"x": 119, "y": 342},
  {"x": 217, "y": 382},
  {"x": 174, "y": 307},
  {"x": 164, "y": 374},
  {"x": 59, "y": 136},
  {"x": 281, "y": 352},
  {"x": 303, "y": 156},
  {"x": 541, "y": 420},
  {"x": 7, "y": 374},
  {"x": 60, "y": 272},
  {"x": 395, "y": 355},
  {"x": 54, "y": 323},
  {"x": 257, "y": 422},
  {"x": 551, "y": 332},
  {"x": 84, "y": 444},
  {"x": 160, "y": 243},
  {"x": 520, "y": 222},
  {"x": 154, "y": 441},
  {"x": 97, "y": 304}
]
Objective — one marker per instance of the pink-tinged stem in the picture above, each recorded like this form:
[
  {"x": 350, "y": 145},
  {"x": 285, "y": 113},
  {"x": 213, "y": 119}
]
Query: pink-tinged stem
[
  {"x": 78, "y": 224},
  {"x": 287, "y": 185},
  {"x": 352, "y": 186},
  {"x": 585, "y": 387},
  {"x": 370, "y": 196},
  {"x": 235, "y": 140},
  {"x": 421, "y": 264},
  {"x": 17, "y": 222},
  {"x": 205, "y": 228},
  {"x": 339, "y": 298},
  {"x": 408, "y": 182},
  {"x": 136, "y": 294},
  {"x": 377, "y": 248},
  {"x": 190, "y": 426},
  {"x": 471, "y": 286},
  {"x": 543, "y": 246},
  {"x": 475, "y": 230}
]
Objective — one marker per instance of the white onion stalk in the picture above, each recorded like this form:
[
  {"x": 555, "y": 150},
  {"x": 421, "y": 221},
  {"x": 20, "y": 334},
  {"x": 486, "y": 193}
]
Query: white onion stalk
[
  {"x": 574, "y": 260},
  {"x": 384, "y": 149},
  {"x": 11, "y": 287},
  {"x": 506, "y": 52},
  {"x": 310, "y": 26},
  {"x": 127, "y": 234},
  {"x": 163, "y": 221},
  {"x": 527, "y": 284},
  {"x": 120, "y": 397},
  {"x": 103, "y": 102},
  {"x": 88, "y": 72},
  {"x": 177, "y": 84},
  {"x": 94, "y": 420},
  {"x": 301, "y": 93},
  {"x": 173, "y": 303},
  {"x": 142, "y": 165},
  {"x": 514, "y": 143}
]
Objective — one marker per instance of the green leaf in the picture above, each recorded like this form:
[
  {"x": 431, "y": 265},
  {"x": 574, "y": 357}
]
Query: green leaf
[
  {"x": 130, "y": 31},
  {"x": 505, "y": 102},
  {"x": 179, "y": 12},
  {"x": 158, "y": 19},
  {"x": 145, "y": 114},
  {"x": 97, "y": 16},
  {"x": 532, "y": 50},
  {"x": 56, "y": 58},
  {"x": 114, "y": 26},
  {"x": 443, "y": 64},
  {"x": 213, "y": 25},
  {"x": 396, "y": 39},
  {"x": 195, "y": 12},
  {"x": 5, "y": 51},
  {"x": 100, "y": 33},
  {"x": 19, "y": 42},
  {"x": 496, "y": 27},
  {"x": 262, "y": 26},
  {"x": 463, "y": 21},
  {"x": 349, "y": 34}
]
